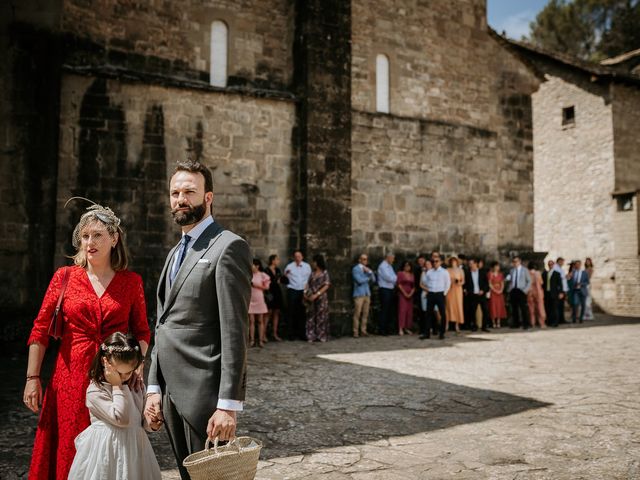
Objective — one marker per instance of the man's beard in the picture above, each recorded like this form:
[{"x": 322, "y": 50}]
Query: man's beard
[{"x": 191, "y": 216}]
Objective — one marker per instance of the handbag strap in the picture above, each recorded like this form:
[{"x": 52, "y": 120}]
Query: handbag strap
[{"x": 65, "y": 280}]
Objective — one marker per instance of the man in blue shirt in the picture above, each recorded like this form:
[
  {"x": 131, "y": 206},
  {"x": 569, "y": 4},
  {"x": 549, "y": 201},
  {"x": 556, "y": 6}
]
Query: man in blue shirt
[
  {"x": 297, "y": 273},
  {"x": 386, "y": 285},
  {"x": 362, "y": 275}
]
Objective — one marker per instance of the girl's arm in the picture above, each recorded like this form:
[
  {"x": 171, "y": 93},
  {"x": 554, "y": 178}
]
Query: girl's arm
[{"x": 109, "y": 407}]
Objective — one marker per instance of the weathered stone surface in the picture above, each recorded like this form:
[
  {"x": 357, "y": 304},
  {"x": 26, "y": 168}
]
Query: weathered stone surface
[
  {"x": 120, "y": 143},
  {"x": 554, "y": 404},
  {"x": 578, "y": 167}
]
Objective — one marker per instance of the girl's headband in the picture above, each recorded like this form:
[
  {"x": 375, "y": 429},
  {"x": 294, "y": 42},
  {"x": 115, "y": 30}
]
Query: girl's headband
[{"x": 118, "y": 348}]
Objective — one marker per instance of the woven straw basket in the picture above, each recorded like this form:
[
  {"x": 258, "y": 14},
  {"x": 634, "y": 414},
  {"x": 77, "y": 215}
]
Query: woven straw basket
[{"x": 237, "y": 460}]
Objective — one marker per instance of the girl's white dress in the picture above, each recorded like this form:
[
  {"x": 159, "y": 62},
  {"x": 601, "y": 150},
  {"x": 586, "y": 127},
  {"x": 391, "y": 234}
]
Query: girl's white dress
[{"x": 115, "y": 446}]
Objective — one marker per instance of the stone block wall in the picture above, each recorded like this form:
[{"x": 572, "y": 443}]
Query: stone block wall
[
  {"x": 450, "y": 166},
  {"x": 574, "y": 176},
  {"x": 626, "y": 234},
  {"x": 29, "y": 83},
  {"x": 119, "y": 143},
  {"x": 323, "y": 77},
  {"x": 626, "y": 118},
  {"x": 174, "y": 37},
  {"x": 434, "y": 50}
]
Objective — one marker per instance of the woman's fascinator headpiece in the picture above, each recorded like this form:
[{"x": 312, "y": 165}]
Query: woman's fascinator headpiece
[{"x": 93, "y": 213}]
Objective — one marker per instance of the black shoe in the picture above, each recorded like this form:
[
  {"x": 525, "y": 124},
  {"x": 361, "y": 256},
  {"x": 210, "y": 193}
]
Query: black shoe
[
  {"x": 554, "y": 326},
  {"x": 423, "y": 337},
  {"x": 526, "y": 327},
  {"x": 441, "y": 336},
  {"x": 485, "y": 329}
]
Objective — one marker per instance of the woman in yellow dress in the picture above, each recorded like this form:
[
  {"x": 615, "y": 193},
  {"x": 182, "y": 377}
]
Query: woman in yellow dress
[{"x": 454, "y": 308}]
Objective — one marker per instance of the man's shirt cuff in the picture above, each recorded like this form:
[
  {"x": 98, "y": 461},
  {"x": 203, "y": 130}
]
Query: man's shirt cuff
[
  {"x": 154, "y": 389},
  {"x": 233, "y": 405}
]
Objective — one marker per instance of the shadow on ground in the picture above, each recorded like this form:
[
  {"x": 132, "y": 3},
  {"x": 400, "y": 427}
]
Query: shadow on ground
[{"x": 299, "y": 403}]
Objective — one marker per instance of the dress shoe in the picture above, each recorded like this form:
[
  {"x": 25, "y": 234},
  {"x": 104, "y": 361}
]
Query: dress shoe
[
  {"x": 486, "y": 329},
  {"x": 441, "y": 336},
  {"x": 424, "y": 337}
]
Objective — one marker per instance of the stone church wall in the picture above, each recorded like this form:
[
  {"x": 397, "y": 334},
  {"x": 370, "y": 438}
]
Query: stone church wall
[
  {"x": 119, "y": 143},
  {"x": 450, "y": 166}
]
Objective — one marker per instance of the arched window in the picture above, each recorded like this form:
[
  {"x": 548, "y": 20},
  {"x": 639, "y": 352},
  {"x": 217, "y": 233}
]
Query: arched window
[
  {"x": 218, "y": 64},
  {"x": 382, "y": 83}
]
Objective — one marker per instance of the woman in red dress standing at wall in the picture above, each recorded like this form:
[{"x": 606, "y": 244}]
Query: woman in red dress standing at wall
[
  {"x": 406, "y": 289},
  {"x": 101, "y": 297}
]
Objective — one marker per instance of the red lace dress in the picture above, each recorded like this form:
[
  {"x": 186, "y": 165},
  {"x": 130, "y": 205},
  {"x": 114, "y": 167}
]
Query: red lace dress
[{"x": 88, "y": 320}]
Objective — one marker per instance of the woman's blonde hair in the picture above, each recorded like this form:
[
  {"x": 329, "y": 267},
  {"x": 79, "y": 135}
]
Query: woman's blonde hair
[{"x": 105, "y": 216}]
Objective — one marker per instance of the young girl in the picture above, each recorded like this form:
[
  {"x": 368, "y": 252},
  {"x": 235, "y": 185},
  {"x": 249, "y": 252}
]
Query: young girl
[{"x": 115, "y": 445}]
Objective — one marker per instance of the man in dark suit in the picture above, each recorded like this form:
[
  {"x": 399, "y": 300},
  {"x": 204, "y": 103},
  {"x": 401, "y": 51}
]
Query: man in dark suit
[
  {"x": 198, "y": 363},
  {"x": 476, "y": 286},
  {"x": 553, "y": 293},
  {"x": 580, "y": 288}
]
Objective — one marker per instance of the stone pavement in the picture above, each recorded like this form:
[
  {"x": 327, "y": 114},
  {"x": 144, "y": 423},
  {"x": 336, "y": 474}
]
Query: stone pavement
[{"x": 554, "y": 404}]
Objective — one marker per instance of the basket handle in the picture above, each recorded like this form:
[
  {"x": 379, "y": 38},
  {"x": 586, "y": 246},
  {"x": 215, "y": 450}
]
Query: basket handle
[{"x": 207, "y": 445}]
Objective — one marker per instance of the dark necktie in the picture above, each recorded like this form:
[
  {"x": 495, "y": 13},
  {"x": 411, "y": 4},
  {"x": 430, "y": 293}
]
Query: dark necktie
[
  {"x": 182, "y": 252},
  {"x": 515, "y": 283}
]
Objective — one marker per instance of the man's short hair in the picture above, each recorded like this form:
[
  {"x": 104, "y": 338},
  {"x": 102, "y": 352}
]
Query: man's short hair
[
  {"x": 560, "y": 259},
  {"x": 196, "y": 167}
]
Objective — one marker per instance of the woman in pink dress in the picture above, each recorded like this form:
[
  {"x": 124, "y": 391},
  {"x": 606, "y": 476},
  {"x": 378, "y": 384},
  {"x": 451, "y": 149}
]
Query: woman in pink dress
[
  {"x": 497, "y": 309},
  {"x": 260, "y": 282},
  {"x": 535, "y": 297},
  {"x": 406, "y": 289}
]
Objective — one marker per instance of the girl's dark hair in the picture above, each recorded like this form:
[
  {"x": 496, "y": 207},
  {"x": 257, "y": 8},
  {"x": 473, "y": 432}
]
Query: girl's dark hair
[
  {"x": 404, "y": 264},
  {"x": 117, "y": 346},
  {"x": 272, "y": 258},
  {"x": 493, "y": 264},
  {"x": 257, "y": 263},
  {"x": 319, "y": 260},
  {"x": 533, "y": 265}
]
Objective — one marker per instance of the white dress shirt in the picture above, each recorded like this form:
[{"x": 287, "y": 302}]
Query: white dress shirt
[
  {"x": 298, "y": 275},
  {"x": 387, "y": 277},
  {"x": 475, "y": 277},
  {"x": 563, "y": 277},
  {"x": 195, "y": 233},
  {"x": 438, "y": 280}
]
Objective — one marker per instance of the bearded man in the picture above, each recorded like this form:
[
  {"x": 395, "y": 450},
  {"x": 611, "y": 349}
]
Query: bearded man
[{"x": 198, "y": 363}]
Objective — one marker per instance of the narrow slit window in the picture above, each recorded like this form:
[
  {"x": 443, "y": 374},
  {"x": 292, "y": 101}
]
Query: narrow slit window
[
  {"x": 568, "y": 116},
  {"x": 382, "y": 84},
  {"x": 218, "y": 63}
]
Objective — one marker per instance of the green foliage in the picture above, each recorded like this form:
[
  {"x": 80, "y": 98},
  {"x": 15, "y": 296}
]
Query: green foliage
[{"x": 588, "y": 29}]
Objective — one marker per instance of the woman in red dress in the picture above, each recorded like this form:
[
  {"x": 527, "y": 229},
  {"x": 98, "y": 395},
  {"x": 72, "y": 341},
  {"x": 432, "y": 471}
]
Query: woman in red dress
[
  {"x": 101, "y": 298},
  {"x": 406, "y": 289},
  {"x": 497, "y": 308}
]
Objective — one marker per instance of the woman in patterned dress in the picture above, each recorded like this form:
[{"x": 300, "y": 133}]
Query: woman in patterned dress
[
  {"x": 101, "y": 297},
  {"x": 316, "y": 296}
]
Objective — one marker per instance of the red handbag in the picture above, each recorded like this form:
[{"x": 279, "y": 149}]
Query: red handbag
[{"x": 57, "y": 320}]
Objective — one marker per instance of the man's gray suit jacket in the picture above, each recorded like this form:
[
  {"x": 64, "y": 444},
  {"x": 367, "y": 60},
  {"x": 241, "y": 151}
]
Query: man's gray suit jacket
[{"x": 200, "y": 349}]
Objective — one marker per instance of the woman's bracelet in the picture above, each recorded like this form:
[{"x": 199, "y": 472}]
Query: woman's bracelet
[{"x": 31, "y": 377}]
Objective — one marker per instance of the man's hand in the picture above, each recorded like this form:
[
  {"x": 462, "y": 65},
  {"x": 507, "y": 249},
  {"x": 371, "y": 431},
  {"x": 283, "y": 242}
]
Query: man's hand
[
  {"x": 222, "y": 424},
  {"x": 153, "y": 411}
]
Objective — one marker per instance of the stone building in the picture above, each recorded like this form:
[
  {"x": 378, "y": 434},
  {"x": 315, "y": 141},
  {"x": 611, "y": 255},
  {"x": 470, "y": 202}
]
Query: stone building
[
  {"x": 586, "y": 173},
  {"x": 338, "y": 127}
]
